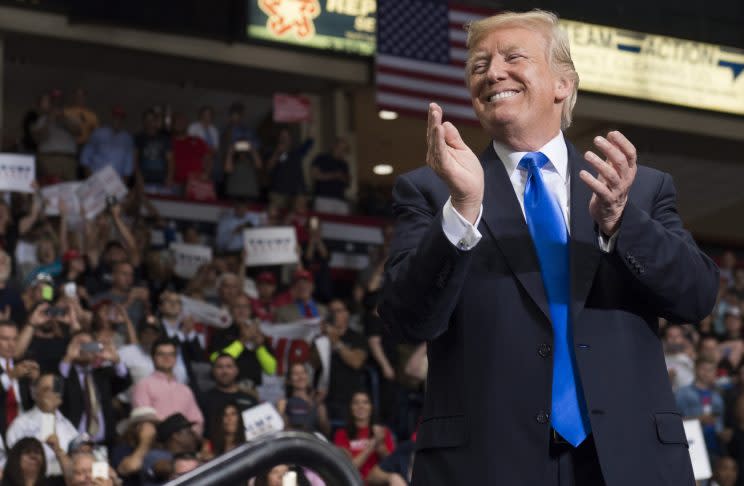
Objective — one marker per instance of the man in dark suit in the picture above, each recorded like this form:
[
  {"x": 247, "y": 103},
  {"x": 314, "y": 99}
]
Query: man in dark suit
[
  {"x": 93, "y": 375},
  {"x": 538, "y": 285},
  {"x": 15, "y": 377}
]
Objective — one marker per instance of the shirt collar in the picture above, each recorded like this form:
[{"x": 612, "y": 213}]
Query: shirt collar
[
  {"x": 163, "y": 376},
  {"x": 555, "y": 150}
]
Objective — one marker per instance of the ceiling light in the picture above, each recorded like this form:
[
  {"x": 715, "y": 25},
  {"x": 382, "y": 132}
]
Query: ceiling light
[{"x": 383, "y": 169}]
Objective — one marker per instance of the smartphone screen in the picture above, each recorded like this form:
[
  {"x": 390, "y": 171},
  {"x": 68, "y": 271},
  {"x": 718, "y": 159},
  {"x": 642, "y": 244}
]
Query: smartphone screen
[
  {"x": 71, "y": 289},
  {"x": 242, "y": 146},
  {"x": 47, "y": 292}
]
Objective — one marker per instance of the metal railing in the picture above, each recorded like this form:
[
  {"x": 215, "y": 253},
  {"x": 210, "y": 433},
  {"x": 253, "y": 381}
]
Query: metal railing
[{"x": 249, "y": 460}]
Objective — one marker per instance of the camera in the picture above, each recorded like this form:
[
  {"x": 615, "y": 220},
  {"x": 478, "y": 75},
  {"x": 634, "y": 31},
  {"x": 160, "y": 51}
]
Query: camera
[
  {"x": 92, "y": 347},
  {"x": 56, "y": 311},
  {"x": 57, "y": 385}
]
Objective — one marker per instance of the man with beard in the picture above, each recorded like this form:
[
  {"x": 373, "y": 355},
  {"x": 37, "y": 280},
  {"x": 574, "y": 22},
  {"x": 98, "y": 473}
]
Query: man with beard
[{"x": 226, "y": 390}]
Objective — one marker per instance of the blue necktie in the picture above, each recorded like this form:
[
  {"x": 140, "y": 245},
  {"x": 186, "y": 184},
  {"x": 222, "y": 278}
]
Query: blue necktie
[{"x": 550, "y": 236}]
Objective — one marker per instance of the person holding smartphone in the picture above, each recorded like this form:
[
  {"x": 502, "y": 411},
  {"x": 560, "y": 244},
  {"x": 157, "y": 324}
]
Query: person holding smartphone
[
  {"x": 93, "y": 375},
  {"x": 242, "y": 163}
]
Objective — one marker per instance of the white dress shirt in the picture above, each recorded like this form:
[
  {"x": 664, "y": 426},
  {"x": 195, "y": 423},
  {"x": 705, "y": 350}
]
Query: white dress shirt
[
  {"x": 465, "y": 236},
  {"x": 29, "y": 425},
  {"x": 7, "y": 382},
  {"x": 173, "y": 330}
]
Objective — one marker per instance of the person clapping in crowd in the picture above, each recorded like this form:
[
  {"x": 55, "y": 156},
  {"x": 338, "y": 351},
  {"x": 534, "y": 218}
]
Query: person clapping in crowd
[{"x": 363, "y": 439}]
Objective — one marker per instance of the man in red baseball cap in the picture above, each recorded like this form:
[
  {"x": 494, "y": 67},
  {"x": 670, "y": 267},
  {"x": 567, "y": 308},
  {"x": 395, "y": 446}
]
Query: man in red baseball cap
[{"x": 110, "y": 145}]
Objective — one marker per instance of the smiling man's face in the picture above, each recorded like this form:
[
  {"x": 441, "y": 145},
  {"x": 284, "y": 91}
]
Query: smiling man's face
[{"x": 514, "y": 91}]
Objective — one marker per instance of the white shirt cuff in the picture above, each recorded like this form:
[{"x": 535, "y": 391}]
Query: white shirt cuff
[
  {"x": 458, "y": 230},
  {"x": 607, "y": 244}
]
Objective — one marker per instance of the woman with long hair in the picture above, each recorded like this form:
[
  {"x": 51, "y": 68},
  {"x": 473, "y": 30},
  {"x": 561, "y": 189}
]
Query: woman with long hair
[
  {"x": 301, "y": 408},
  {"x": 227, "y": 431},
  {"x": 26, "y": 464},
  {"x": 364, "y": 441}
]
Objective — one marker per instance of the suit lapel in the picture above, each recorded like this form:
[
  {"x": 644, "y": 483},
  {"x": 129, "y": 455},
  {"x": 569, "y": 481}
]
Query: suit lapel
[
  {"x": 503, "y": 217},
  {"x": 584, "y": 247}
]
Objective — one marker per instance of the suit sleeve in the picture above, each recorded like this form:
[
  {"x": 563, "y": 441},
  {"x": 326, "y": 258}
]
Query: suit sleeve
[
  {"x": 679, "y": 280},
  {"x": 425, "y": 272}
]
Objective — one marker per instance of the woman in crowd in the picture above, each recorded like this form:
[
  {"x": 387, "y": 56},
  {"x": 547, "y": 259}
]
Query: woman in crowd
[
  {"x": 26, "y": 465},
  {"x": 227, "y": 432},
  {"x": 364, "y": 441},
  {"x": 301, "y": 408},
  {"x": 111, "y": 323}
]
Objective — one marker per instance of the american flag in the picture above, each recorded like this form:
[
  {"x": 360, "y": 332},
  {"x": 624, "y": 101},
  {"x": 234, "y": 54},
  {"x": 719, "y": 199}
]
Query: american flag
[{"x": 421, "y": 57}]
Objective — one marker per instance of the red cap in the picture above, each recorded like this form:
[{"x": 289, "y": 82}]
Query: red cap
[
  {"x": 118, "y": 112},
  {"x": 266, "y": 277},
  {"x": 71, "y": 255},
  {"x": 302, "y": 274}
]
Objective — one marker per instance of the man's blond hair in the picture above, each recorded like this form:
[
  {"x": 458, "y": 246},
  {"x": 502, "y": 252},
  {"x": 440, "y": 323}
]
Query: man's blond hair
[{"x": 558, "y": 55}]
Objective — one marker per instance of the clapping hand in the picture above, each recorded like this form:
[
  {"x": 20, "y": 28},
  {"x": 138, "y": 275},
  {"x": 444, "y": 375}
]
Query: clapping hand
[
  {"x": 615, "y": 175},
  {"x": 455, "y": 164}
]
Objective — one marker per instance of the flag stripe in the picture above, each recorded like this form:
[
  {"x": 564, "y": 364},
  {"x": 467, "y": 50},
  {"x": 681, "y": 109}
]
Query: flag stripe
[
  {"x": 421, "y": 104},
  {"x": 420, "y": 67},
  {"x": 419, "y": 88}
]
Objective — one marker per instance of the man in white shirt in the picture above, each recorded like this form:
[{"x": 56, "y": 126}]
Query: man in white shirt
[
  {"x": 46, "y": 423},
  {"x": 679, "y": 363}
]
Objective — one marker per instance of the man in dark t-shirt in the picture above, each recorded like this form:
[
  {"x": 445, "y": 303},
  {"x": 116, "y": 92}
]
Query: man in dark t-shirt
[
  {"x": 348, "y": 355},
  {"x": 226, "y": 390},
  {"x": 330, "y": 171},
  {"x": 153, "y": 151}
]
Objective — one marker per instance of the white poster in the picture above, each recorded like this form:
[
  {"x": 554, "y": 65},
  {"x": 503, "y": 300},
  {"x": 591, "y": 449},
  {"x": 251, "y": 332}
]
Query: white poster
[
  {"x": 189, "y": 258},
  {"x": 274, "y": 245},
  {"x": 17, "y": 172},
  {"x": 698, "y": 452},
  {"x": 205, "y": 313},
  {"x": 291, "y": 342},
  {"x": 97, "y": 188},
  {"x": 64, "y": 192},
  {"x": 261, "y": 420}
]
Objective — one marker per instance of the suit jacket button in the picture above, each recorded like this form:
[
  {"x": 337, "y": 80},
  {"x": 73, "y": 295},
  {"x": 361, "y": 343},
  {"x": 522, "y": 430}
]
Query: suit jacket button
[
  {"x": 543, "y": 350},
  {"x": 541, "y": 417}
]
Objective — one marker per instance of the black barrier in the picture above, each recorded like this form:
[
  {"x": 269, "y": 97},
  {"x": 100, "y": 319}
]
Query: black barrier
[{"x": 248, "y": 460}]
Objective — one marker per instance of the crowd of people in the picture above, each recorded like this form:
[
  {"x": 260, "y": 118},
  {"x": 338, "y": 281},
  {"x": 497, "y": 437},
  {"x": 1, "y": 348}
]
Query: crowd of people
[
  {"x": 105, "y": 375},
  {"x": 175, "y": 155},
  {"x": 707, "y": 373},
  {"x": 107, "y": 379}
]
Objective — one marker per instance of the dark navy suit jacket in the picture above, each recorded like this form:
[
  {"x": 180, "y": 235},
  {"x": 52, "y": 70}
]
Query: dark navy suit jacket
[{"x": 485, "y": 316}]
